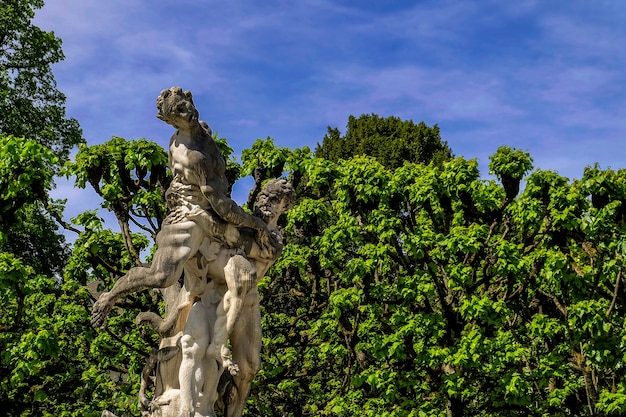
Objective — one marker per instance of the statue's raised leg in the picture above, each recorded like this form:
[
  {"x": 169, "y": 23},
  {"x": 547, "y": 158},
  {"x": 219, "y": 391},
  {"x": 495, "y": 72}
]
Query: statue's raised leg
[{"x": 176, "y": 244}]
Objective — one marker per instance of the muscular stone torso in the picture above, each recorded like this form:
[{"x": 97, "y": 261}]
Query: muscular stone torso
[{"x": 195, "y": 160}]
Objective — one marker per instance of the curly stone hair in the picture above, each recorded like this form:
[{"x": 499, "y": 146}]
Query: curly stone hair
[
  {"x": 273, "y": 192},
  {"x": 174, "y": 103}
]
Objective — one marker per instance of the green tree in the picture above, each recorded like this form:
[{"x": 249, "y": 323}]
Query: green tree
[
  {"x": 30, "y": 104},
  {"x": 131, "y": 178},
  {"x": 31, "y": 107},
  {"x": 54, "y": 362},
  {"x": 263, "y": 161},
  {"x": 426, "y": 291},
  {"x": 39, "y": 365},
  {"x": 390, "y": 140},
  {"x": 422, "y": 290}
]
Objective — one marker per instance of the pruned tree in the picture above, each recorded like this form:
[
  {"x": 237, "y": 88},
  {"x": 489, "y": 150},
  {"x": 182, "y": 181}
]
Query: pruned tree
[{"x": 427, "y": 290}]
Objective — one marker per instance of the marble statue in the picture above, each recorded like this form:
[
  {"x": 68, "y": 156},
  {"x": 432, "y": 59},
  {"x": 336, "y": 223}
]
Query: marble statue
[{"x": 221, "y": 252}]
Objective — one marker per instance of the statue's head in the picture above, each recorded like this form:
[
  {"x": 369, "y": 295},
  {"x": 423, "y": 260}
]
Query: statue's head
[
  {"x": 276, "y": 197},
  {"x": 176, "y": 108}
]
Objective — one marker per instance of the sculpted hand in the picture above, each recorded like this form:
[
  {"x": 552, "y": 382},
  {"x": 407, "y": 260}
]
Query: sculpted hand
[
  {"x": 177, "y": 216},
  {"x": 266, "y": 239},
  {"x": 100, "y": 311}
]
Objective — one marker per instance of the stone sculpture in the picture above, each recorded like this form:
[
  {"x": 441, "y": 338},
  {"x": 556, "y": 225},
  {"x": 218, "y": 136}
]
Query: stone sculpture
[{"x": 222, "y": 252}]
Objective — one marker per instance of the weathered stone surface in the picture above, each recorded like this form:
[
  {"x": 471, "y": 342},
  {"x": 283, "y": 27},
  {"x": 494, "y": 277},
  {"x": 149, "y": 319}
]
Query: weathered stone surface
[{"x": 223, "y": 252}]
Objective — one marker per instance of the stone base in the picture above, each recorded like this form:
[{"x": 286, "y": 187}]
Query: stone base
[{"x": 165, "y": 405}]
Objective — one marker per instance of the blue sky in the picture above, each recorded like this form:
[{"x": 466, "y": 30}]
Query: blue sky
[{"x": 545, "y": 76}]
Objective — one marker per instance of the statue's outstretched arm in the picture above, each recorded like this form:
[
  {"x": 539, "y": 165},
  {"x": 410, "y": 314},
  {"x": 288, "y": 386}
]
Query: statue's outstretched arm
[{"x": 230, "y": 211}]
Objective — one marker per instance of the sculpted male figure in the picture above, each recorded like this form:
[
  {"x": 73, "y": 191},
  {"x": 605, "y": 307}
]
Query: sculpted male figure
[
  {"x": 197, "y": 200},
  {"x": 234, "y": 276},
  {"x": 219, "y": 301}
]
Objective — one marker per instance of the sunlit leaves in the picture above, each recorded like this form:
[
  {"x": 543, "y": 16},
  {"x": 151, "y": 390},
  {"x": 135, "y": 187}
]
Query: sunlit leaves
[
  {"x": 510, "y": 165},
  {"x": 511, "y": 162},
  {"x": 25, "y": 174},
  {"x": 123, "y": 171},
  {"x": 266, "y": 155},
  {"x": 462, "y": 298},
  {"x": 45, "y": 334}
]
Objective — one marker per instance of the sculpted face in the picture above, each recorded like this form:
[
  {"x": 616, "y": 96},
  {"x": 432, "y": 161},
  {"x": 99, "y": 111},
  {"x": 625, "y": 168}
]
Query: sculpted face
[
  {"x": 277, "y": 197},
  {"x": 176, "y": 108}
]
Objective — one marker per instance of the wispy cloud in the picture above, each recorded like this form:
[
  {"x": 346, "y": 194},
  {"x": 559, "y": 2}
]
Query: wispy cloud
[{"x": 542, "y": 76}]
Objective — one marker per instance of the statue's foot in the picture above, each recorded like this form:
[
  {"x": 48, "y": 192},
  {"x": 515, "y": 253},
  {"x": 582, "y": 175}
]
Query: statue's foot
[
  {"x": 100, "y": 311},
  {"x": 231, "y": 366}
]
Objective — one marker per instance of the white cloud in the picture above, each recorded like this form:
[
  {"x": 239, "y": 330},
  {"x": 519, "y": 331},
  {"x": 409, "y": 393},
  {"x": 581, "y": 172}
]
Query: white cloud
[{"x": 530, "y": 74}]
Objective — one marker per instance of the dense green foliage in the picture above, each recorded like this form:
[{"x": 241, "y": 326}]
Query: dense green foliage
[
  {"x": 54, "y": 363},
  {"x": 31, "y": 258},
  {"x": 409, "y": 285},
  {"x": 425, "y": 291},
  {"x": 30, "y": 104},
  {"x": 390, "y": 140},
  {"x": 36, "y": 137},
  {"x": 25, "y": 175},
  {"x": 41, "y": 341}
]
